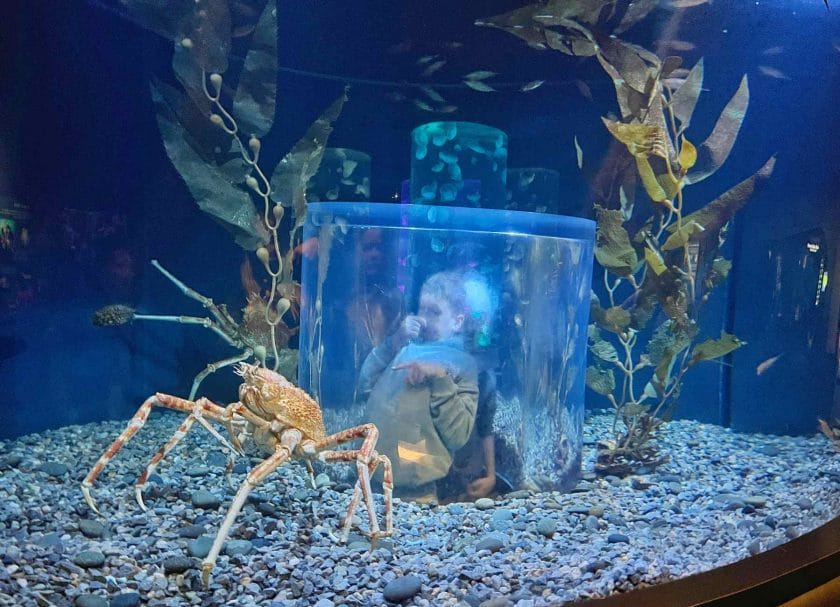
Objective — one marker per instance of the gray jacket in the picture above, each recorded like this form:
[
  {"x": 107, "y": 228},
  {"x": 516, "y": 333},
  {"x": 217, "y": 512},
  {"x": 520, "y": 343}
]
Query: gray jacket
[{"x": 420, "y": 426}]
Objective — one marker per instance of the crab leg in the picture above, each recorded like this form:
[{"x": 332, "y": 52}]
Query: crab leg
[
  {"x": 198, "y": 407},
  {"x": 137, "y": 422},
  {"x": 215, "y": 366},
  {"x": 364, "y": 456},
  {"x": 288, "y": 441},
  {"x": 359, "y": 490}
]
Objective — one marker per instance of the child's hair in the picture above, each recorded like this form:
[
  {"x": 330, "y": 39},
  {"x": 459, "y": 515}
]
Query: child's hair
[
  {"x": 466, "y": 293},
  {"x": 450, "y": 287}
]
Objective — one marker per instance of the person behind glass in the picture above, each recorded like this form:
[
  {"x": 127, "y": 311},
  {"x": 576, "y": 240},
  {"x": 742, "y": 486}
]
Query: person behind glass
[{"x": 422, "y": 391}]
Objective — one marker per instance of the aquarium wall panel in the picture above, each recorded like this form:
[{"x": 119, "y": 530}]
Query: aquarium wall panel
[{"x": 786, "y": 379}]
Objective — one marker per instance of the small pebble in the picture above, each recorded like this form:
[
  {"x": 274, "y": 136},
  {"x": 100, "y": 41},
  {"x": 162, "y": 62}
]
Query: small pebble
[{"x": 402, "y": 588}]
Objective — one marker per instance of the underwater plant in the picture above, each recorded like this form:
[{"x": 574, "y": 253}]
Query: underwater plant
[
  {"x": 212, "y": 134},
  {"x": 673, "y": 261}
]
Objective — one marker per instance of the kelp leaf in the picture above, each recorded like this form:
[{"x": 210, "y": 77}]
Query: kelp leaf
[
  {"x": 626, "y": 60},
  {"x": 669, "y": 65},
  {"x": 256, "y": 95},
  {"x": 655, "y": 261},
  {"x": 715, "y": 150},
  {"x": 634, "y": 410},
  {"x": 603, "y": 350},
  {"x": 659, "y": 187},
  {"x": 636, "y": 11},
  {"x": 718, "y": 273},
  {"x": 210, "y": 186},
  {"x": 718, "y": 212},
  {"x": 210, "y": 32},
  {"x": 601, "y": 381},
  {"x": 293, "y": 172},
  {"x": 612, "y": 248},
  {"x": 616, "y": 319},
  {"x": 688, "y": 155},
  {"x": 715, "y": 348},
  {"x": 685, "y": 99},
  {"x": 681, "y": 236}
]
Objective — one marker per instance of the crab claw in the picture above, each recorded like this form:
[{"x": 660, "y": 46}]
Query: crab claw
[
  {"x": 138, "y": 493},
  {"x": 89, "y": 498},
  {"x": 206, "y": 573}
]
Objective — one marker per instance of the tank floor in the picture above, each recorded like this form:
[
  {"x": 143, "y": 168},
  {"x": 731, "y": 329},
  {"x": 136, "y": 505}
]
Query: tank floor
[{"x": 722, "y": 497}]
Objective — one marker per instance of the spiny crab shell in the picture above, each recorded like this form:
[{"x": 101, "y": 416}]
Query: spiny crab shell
[{"x": 272, "y": 397}]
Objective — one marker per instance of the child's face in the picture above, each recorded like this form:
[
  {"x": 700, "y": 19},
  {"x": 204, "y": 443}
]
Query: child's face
[{"x": 441, "y": 320}]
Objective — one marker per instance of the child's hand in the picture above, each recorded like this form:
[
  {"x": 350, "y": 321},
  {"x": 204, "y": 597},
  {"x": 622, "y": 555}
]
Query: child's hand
[
  {"x": 411, "y": 327},
  {"x": 419, "y": 371},
  {"x": 481, "y": 487}
]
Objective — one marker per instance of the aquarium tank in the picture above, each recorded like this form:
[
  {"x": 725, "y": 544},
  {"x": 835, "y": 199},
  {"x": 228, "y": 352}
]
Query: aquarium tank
[{"x": 347, "y": 304}]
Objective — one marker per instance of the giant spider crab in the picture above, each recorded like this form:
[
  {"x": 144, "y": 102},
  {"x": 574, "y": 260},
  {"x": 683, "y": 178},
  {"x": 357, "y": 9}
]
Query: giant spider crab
[{"x": 285, "y": 422}]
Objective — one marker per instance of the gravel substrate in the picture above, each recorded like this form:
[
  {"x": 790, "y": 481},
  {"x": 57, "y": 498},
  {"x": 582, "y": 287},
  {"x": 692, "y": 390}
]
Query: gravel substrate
[{"x": 722, "y": 497}]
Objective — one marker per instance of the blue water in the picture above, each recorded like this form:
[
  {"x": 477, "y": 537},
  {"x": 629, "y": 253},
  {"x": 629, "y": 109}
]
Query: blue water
[{"x": 82, "y": 152}]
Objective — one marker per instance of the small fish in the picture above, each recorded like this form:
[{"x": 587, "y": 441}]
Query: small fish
[
  {"x": 773, "y": 50},
  {"x": 680, "y": 45},
  {"x": 432, "y": 94},
  {"x": 689, "y": 3},
  {"x": 480, "y": 75},
  {"x": 396, "y": 97},
  {"x": 534, "y": 84},
  {"x": 422, "y": 105},
  {"x": 579, "y": 154},
  {"x": 478, "y": 85},
  {"x": 583, "y": 89},
  {"x": 772, "y": 72},
  {"x": 434, "y": 67},
  {"x": 763, "y": 366},
  {"x": 448, "y": 109},
  {"x": 426, "y": 59}
]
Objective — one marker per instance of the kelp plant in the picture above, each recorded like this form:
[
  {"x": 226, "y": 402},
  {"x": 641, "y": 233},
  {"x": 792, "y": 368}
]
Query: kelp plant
[
  {"x": 673, "y": 261},
  {"x": 212, "y": 133}
]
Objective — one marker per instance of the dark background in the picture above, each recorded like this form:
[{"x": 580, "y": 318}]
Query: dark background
[{"x": 79, "y": 145}]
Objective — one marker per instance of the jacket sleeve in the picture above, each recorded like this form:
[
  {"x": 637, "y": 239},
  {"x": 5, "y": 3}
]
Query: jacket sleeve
[
  {"x": 453, "y": 407},
  {"x": 375, "y": 363}
]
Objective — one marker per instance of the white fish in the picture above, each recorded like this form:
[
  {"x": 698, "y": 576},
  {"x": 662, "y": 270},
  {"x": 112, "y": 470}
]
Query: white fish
[
  {"x": 434, "y": 67},
  {"x": 579, "y": 153},
  {"x": 688, "y": 3},
  {"x": 432, "y": 94},
  {"x": 763, "y": 366},
  {"x": 772, "y": 72},
  {"x": 448, "y": 109},
  {"x": 422, "y": 105},
  {"x": 480, "y": 75},
  {"x": 478, "y": 85},
  {"x": 426, "y": 59},
  {"x": 773, "y": 50},
  {"x": 680, "y": 45},
  {"x": 534, "y": 84}
]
